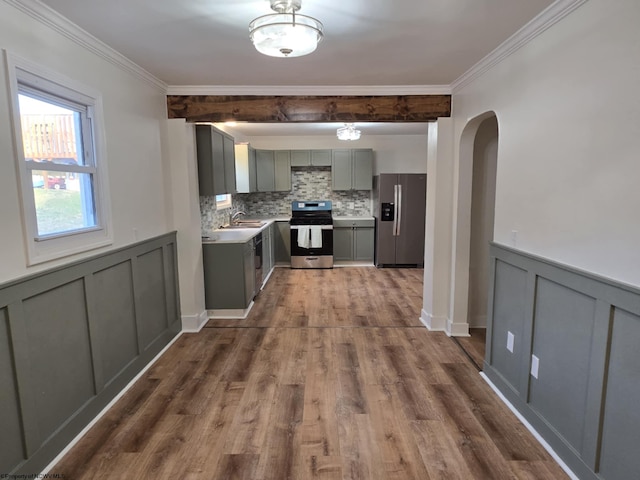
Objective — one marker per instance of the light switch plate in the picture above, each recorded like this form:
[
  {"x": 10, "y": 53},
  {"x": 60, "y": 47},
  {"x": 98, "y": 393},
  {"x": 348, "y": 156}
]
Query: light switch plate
[
  {"x": 535, "y": 365},
  {"x": 510, "y": 340}
]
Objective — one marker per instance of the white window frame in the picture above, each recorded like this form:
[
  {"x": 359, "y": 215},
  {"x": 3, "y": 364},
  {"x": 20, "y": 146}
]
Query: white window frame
[
  {"x": 43, "y": 248},
  {"x": 226, "y": 203}
]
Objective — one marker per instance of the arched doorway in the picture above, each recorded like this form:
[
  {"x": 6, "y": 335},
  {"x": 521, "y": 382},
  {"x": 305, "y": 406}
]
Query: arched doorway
[
  {"x": 483, "y": 199},
  {"x": 474, "y": 207}
]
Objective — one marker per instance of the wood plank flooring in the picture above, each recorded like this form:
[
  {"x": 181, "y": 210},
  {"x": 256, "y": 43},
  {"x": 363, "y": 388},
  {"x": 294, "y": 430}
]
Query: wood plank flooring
[
  {"x": 474, "y": 345},
  {"x": 332, "y": 377}
]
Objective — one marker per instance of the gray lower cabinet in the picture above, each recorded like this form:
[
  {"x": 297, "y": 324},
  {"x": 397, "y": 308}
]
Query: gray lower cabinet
[
  {"x": 363, "y": 243},
  {"x": 267, "y": 250},
  {"x": 353, "y": 240},
  {"x": 229, "y": 275},
  {"x": 352, "y": 169},
  {"x": 342, "y": 243},
  {"x": 282, "y": 243},
  {"x": 216, "y": 161},
  {"x": 273, "y": 170}
]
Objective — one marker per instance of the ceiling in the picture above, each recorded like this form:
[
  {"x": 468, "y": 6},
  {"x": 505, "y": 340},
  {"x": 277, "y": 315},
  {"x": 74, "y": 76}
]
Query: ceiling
[{"x": 368, "y": 43}]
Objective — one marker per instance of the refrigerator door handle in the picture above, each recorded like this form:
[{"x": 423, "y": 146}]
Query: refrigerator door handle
[
  {"x": 395, "y": 210},
  {"x": 399, "y": 217}
]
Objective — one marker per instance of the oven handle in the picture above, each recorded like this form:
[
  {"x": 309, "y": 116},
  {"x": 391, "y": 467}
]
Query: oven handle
[{"x": 322, "y": 227}]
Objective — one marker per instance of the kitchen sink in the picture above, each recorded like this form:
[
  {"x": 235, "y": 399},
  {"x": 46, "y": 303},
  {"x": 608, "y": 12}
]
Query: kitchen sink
[{"x": 246, "y": 224}]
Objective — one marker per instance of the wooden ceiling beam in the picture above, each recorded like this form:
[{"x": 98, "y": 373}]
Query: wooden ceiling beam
[{"x": 291, "y": 109}]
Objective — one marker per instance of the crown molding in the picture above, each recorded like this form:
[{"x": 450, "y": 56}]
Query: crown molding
[
  {"x": 52, "y": 19},
  {"x": 303, "y": 90},
  {"x": 547, "y": 18}
]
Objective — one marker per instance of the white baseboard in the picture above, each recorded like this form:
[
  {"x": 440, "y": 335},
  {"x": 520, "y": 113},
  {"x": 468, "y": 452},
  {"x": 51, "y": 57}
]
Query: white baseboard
[
  {"x": 529, "y": 427},
  {"x": 457, "y": 329},
  {"x": 433, "y": 323},
  {"x": 194, "y": 323},
  {"x": 103, "y": 412},
  {"x": 230, "y": 313}
]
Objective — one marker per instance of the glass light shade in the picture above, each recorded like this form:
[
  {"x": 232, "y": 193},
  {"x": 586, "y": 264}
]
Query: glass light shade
[
  {"x": 285, "y": 34},
  {"x": 348, "y": 132}
]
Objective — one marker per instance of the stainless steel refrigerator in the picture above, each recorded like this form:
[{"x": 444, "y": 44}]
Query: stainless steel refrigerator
[{"x": 399, "y": 202}]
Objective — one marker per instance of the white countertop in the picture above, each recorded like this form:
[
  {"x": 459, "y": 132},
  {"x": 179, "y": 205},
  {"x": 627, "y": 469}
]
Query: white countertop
[
  {"x": 239, "y": 235},
  {"x": 243, "y": 235}
]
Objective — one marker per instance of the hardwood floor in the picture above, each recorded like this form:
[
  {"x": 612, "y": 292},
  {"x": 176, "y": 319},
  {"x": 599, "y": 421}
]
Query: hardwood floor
[
  {"x": 474, "y": 345},
  {"x": 332, "y": 376}
]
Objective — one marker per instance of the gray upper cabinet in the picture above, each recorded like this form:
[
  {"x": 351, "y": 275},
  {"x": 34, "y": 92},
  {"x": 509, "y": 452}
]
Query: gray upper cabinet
[
  {"x": 352, "y": 169},
  {"x": 282, "y": 171},
  {"x": 265, "y": 171},
  {"x": 273, "y": 170},
  {"x": 362, "y": 169},
  {"x": 341, "y": 170},
  {"x": 216, "y": 161},
  {"x": 321, "y": 158},
  {"x": 313, "y": 158},
  {"x": 300, "y": 158}
]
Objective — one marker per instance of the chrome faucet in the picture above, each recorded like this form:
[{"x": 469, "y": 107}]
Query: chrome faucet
[{"x": 233, "y": 219}]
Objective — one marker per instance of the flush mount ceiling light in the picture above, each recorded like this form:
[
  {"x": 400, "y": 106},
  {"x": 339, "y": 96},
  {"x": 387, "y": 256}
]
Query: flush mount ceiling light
[
  {"x": 348, "y": 132},
  {"x": 285, "y": 33}
]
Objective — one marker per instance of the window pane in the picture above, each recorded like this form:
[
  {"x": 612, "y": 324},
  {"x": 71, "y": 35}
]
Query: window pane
[
  {"x": 64, "y": 201},
  {"x": 50, "y": 133}
]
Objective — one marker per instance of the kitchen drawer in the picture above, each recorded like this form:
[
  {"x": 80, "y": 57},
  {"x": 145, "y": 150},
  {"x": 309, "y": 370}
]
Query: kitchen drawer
[{"x": 354, "y": 222}]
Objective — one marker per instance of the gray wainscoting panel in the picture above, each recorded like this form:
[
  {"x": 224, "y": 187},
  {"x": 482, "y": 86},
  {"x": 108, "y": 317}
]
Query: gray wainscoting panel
[
  {"x": 150, "y": 296},
  {"x": 620, "y": 455},
  {"x": 585, "y": 330},
  {"x": 170, "y": 285},
  {"x": 509, "y": 315},
  {"x": 563, "y": 329},
  {"x": 116, "y": 318},
  {"x": 61, "y": 370},
  {"x": 11, "y": 438},
  {"x": 72, "y": 337}
]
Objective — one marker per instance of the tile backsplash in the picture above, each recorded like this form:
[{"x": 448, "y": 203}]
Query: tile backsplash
[{"x": 307, "y": 184}]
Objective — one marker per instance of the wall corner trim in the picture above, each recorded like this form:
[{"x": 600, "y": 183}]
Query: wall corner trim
[
  {"x": 52, "y": 19},
  {"x": 457, "y": 329},
  {"x": 547, "y": 18},
  {"x": 194, "y": 323},
  {"x": 432, "y": 322}
]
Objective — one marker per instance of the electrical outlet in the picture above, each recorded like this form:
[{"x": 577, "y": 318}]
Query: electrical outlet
[
  {"x": 510, "y": 340},
  {"x": 514, "y": 238},
  {"x": 535, "y": 365}
]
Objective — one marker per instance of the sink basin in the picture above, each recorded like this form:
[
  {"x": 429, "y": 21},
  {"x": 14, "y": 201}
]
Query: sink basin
[{"x": 246, "y": 225}]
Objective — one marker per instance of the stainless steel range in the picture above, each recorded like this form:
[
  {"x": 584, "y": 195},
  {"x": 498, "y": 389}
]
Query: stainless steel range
[{"x": 311, "y": 234}]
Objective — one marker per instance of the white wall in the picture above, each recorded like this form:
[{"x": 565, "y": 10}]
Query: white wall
[
  {"x": 485, "y": 152},
  {"x": 568, "y": 110},
  {"x": 392, "y": 153},
  {"x": 135, "y": 115}
]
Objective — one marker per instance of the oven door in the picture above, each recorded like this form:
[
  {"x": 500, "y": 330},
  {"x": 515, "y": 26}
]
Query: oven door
[{"x": 312, "y": 246}]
